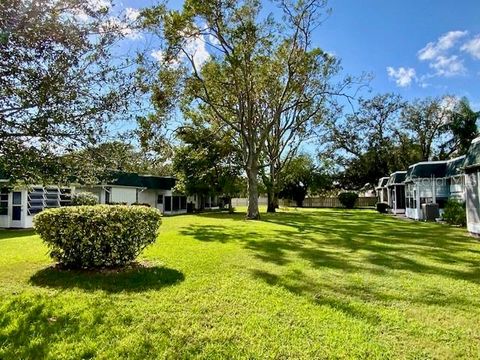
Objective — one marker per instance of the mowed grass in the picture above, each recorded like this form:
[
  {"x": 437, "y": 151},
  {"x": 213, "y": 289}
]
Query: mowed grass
[{"x": 297, "y": 284}]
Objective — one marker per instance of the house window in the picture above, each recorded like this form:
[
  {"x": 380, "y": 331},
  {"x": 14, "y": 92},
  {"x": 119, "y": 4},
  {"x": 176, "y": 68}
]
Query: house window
[
  {"x": 168, "y": 203},
  {"x": 52, "y": 197},
  {"x": 65, "y": 197},
  {"x": 183, "y": 202},
  {"x": 35, "y": 200},
  {"x": 4, "y": 202},
  {"x": 176, "y": 203},
  {"x": 160, "y": 199}
]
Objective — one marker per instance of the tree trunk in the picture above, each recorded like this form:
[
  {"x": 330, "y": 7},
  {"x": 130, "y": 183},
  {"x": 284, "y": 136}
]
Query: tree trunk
[
  {"x": 271, "y": 191},
  {"x": 253, "y": 213},
  {"x": 230, "y": 207},
  {"x": 271, "y": 201}
]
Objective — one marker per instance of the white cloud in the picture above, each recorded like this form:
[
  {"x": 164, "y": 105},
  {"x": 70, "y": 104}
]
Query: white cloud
[
  {"x": 132, "y": 14},
  {"x": 157, "y": 55},
  {"x": 445, "y": 42},
  {"x": 472, "y": 47},
  {"x": 448, "y": 66},
  {"x": 197, "y": 49},
  {"x": 402, "y": 76},
  {"x": 116, "y": 25},
  {"x": 93, "y": 5}
]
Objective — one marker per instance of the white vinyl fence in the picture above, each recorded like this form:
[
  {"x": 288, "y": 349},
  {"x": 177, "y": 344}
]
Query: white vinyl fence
[{"x": 313, "y": 202}]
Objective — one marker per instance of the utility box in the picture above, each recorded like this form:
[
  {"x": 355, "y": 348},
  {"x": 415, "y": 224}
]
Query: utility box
[{"x": 430, "y": 212}]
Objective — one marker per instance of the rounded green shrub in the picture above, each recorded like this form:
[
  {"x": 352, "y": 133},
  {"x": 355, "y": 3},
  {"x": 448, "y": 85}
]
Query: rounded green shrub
[
  {"x": 348, "y": 199},
  {"x": 97, "y": 236},
  {"x": 84, "y": 198},
  {"x": 455, "y": 213}
]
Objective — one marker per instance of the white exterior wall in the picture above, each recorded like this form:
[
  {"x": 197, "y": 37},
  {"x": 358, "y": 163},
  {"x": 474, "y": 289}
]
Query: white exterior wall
[
  {"x": 472, "y": 196},
  {"x": 123, "y": 195},
  {"x": 457, "y": 187},
  {"x": 148, "y": 197}
]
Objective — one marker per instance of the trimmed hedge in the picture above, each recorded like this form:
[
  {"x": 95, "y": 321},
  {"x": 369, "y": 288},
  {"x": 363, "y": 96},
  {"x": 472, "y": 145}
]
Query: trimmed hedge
[
  {"x": 97, "y": 236},
  {"x": 455, "y": 213},
  {"x": 84, "y": 198},
  {"x": 348, "y": 199}
]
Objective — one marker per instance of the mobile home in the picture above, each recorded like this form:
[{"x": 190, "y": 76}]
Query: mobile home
[
  {"x": 396, "y": 192},
  {"x": 382, "y": 190},
  {"x": 426, "y": 183}
]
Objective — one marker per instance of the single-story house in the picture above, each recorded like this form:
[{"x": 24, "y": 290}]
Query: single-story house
[
  {"x": 426, "y": 182},
  {"x": 396, "y": 192},
  {"x": 456, "y": 178},
  {"x": 19, "y": 205},
  {"x": 472, "y": 187},
  {"x": 382, "y": 190},
  {"x": 129, "y": 188}
]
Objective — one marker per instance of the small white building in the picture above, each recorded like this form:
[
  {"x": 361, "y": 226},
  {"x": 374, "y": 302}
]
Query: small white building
[
  {"x": 382, "y": 190},
  {"x": 472, "y": 187},
  {"x": 426, "y": 183},
  {"x": 396, "y": 192},
  {"x": 130, "y": 188}
]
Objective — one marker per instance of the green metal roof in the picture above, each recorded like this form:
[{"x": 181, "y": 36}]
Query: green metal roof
[
  {"x": 472, "y": 159},
  {"x": 141, "y": 181},
  {"x": 427, "y": 169},
  {"x": 455, "y": 166},
  {"x": 398, "y": 177}
]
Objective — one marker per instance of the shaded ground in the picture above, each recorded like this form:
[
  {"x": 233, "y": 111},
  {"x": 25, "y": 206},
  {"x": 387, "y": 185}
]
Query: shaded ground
[{"x": 298, "y": 284}]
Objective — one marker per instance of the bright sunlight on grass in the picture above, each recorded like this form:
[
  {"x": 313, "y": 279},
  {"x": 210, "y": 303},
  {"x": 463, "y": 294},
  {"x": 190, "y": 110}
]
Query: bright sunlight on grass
[{"x": 298, "y": 284}]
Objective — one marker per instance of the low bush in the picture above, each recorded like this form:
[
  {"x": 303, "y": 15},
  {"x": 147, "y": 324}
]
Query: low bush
[
  {"x": 97, "y": 236},
  {"x": 455, "y": 213},
  {"x": 382, "y": 207},
  {"x": 141, "y": 204},
  {"x": 84, "y": 198},
  {"x": 348, "y": 199}
]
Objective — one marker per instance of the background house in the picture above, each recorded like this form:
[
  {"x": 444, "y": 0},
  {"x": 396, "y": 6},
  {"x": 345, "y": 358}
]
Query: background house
[
  {"x": 426, "y": 182},
  {"x": 396, "y": 192},
  {"x": 19, "y": 205},
  {"x": 382, "y": 190}
]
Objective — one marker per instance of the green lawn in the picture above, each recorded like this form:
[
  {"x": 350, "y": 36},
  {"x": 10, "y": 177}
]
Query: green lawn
[{"x": 298, "y": 284}]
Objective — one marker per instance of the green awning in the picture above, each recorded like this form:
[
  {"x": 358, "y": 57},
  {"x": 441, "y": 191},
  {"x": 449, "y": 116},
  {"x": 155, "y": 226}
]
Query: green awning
[{"x": 140, "y": 181}]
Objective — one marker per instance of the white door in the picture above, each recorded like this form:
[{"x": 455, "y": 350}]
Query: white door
[{"x": 16, "y": 219}]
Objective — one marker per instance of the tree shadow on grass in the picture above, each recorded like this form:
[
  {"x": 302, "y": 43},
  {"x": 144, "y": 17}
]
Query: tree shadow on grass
[
  {"x": 30, "y": 326},
  {"x": 134, "y": 278},
  {"x": 6, "y": 234},
  {"x": 351, "y": 241}
]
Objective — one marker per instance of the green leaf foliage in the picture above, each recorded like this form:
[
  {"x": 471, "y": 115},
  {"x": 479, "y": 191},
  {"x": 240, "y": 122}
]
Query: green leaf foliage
[
  {"x": 348, "y": 199},
  {"x": 97, "y": 236},
  {"x": 455, "y": 213},
  {"x": 84, "y": 198}
]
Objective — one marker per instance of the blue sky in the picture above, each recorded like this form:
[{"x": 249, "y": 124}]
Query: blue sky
[{"x": 415, "y": 48}]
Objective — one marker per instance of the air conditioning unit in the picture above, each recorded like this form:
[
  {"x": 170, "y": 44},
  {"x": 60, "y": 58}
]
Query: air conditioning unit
[{"x": 430, "y": 211}]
